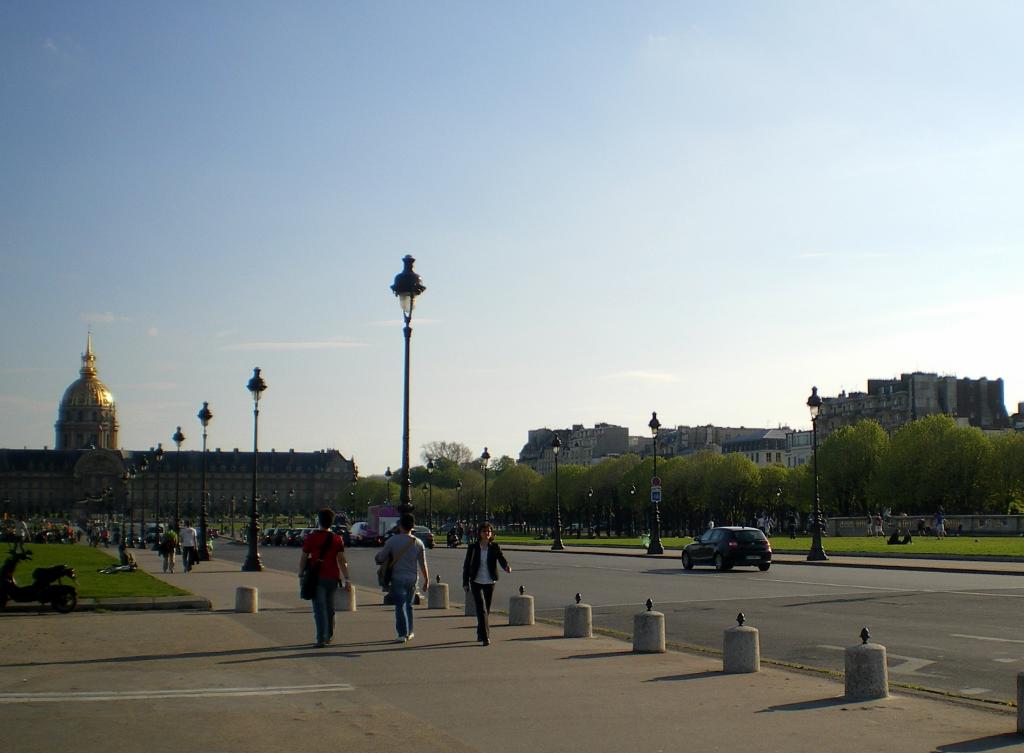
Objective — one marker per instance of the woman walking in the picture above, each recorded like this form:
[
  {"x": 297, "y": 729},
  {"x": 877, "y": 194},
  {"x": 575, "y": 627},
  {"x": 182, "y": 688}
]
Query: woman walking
[
  {"x": 325, "y": 550},
  {"x": 479, "y": 574}
]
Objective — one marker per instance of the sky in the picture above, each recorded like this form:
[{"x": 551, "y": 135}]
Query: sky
[{"x": 696, "y": 208}]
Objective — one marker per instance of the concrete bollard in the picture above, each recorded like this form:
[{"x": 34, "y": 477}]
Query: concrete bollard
[
  {"x": 520, "y": 609},
  {"x": 1020, "y": 703},
  {"x": 741, "y": 648},
  {"x": 345, "y": 600},
  {"x": 867, "y": 675},
  {"x": 578, "y": 620},
  {"x": 247, "y": 600},
  {"x": 649, "y": 631},
  {"x": 437, "y": 595}
]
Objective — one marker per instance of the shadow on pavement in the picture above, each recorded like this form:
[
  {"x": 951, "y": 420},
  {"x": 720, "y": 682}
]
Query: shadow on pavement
[
  {"x": 691, "y": 676},
  {"x": 157, "y": 657},
  {"x": 822, "y": 703},
  {"x": 601, "y": 655},
  {"x": 992, "y": 742}
]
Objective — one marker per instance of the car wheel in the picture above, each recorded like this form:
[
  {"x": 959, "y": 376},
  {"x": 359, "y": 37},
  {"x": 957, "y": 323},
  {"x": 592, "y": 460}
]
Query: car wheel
[
  {"x": 764, "y": 568},
  {"x": 720, "y": 564},
  {"x": 687, "y": 562}
]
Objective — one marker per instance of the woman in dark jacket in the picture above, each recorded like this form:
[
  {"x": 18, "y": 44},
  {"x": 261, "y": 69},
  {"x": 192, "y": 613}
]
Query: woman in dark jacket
[{"x": 479, "y": 574}]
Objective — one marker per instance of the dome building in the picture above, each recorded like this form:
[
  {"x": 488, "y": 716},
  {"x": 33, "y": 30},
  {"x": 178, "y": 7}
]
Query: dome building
[{"x": 87, "y": 416}]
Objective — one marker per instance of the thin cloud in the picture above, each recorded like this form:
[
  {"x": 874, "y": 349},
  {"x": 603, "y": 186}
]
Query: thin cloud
[
  {"x": 306, "y": 345},
  {"x": 644, "y": 376},
  {"x": 105, "y": 317}
]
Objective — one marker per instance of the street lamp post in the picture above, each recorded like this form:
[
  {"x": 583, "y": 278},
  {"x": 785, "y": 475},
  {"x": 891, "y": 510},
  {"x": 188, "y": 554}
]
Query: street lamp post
[
  {"x": 817, "y": 553},
  {"x": 655, "y": 547},
  {"x": 556, "y": 545},
  {"x": 158, "y": 456},
  {"x": 143, "y": 465},
  {"x": 252, "y": 563},
  {"x": 178, "y": 438},
  {"x": 204, "y": 415},
  {"x": 485, "y": 461},
  {"x": 407, "y": 287},
  {"x": 430, "y": 493},
  {"x": 458, "y": 502},
  {"x": 387, "y": 477}
]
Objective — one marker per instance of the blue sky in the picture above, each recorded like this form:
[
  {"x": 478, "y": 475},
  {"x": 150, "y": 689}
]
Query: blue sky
[{"x": 698, "y": 208}]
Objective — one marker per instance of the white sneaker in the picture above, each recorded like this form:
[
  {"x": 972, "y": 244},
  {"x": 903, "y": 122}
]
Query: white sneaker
[{"x": 410, "y": 636}]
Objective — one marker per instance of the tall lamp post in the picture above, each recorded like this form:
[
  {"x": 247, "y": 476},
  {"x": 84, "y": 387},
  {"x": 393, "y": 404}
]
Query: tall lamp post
[
  {"x": 817, "y": 553},
  {"x": 655, "y": 547},
  {"x": 158, "y": 457},
  {"x": 485, "y": 461},
  {"x": 204, "y": 415},
  {"x": 407, "y": 287},
  {"x": 143, "y": 465},
  {"x": 387, "y": 477},
  {"x": 430, "y": 493},
  {"x": 556, "y": 545},
  {"x": 458, "y": 502},
  {"x": 178, "y": 438},
  {"x": 252, "y": 563}
]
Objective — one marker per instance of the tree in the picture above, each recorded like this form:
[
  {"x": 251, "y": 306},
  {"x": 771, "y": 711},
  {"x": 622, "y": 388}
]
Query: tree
[
  {"x": 847, "y": 463},
  {"x": 934, "y": 463},
  {"x": 732, "y": 483},
  {"x": 510, "y": 493},
  {"x": 454, "y": 452},
  {"x": 1008, "y": 473}
]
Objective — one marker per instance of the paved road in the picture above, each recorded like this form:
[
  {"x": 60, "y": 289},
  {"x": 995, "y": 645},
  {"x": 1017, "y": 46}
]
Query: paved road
[{"x": 953, "y": 632}]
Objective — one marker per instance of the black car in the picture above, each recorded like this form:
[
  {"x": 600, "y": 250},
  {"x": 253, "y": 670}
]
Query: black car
[{"x": 728, "y": 546}]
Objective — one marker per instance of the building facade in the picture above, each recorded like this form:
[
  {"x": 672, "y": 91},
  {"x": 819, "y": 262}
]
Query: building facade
[
  {"x": 86, "y": 473},
  {"x": 580, "y": 446},
  {"x": 762, "y": 447},
  {"x": 895, "y": 402}
]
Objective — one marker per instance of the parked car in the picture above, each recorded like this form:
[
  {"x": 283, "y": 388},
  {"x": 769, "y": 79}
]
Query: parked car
[
  {"x": 423, "y": 533},
  {"x": 727, "y": 546},
  {"x": 268, "y": 536},
  {"x": 342, "y": 530},
  {"x": 293, "y": 537},
  {"x": 362, "y": 535}
]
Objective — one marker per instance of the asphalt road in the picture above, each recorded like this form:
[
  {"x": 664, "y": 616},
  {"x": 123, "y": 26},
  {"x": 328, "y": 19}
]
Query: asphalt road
[{"x": 953, "y": 632}]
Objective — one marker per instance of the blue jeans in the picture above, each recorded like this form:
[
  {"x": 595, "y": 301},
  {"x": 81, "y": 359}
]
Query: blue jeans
[
  {"x": 323, "y": 609},
  {"x": 403, "y": 591}
]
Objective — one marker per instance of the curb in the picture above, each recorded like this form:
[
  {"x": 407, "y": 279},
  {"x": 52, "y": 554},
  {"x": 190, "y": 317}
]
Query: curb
[
  {"x": 784, "y": 559},
  {"x": 121, "y": 604}
]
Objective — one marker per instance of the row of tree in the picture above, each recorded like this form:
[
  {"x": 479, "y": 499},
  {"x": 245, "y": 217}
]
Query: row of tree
[{"x": 929, "y": 463}]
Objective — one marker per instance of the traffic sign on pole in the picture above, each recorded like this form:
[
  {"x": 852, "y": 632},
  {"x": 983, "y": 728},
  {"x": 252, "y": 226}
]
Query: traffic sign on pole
[{"x": 655, "y": 494}]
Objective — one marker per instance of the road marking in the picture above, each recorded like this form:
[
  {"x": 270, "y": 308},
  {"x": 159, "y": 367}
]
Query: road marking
[
  {"x": 1005, "y": 661},
  {"x": 975, "y": 691},
  {"x": 985, "y": 638},
  {"x": 145, "y": 695},
  {"x": 908, "y": 665}
]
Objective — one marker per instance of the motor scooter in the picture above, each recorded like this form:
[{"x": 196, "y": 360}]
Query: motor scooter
[{"x": 47, "y": 585}]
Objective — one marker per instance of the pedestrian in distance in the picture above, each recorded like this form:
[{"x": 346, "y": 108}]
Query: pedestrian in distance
[
  {"x": 479, "y": 574},
  {"x": 189, "y": 549},
  {"x": 408, "y": 559},
  {"x": 168, "y": 547},
  {"x": 325, "y": 550}
]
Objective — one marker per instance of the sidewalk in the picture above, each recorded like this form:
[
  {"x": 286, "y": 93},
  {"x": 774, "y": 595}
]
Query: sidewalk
[
  {"x": 533, "y": 690},
  {"x": 878, "y": 561}
]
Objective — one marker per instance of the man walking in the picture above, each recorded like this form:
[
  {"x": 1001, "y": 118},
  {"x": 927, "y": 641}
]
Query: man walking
[
  {"x": 407, "y": 554},
  {"x": 189, "y": 552}
]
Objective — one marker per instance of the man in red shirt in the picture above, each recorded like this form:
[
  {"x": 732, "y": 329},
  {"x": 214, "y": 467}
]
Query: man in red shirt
[{"x": 325, "y": 550}]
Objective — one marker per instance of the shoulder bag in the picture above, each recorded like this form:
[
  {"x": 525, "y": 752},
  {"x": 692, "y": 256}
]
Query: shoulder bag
[
  {"x": 311, "y": 575},
  {"x": 385, "y": 570}
]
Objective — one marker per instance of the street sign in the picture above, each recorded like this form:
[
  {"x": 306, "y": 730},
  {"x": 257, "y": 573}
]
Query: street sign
[
  {"x": 655, "y": 494},
  {"x": 656, "y": 481}
]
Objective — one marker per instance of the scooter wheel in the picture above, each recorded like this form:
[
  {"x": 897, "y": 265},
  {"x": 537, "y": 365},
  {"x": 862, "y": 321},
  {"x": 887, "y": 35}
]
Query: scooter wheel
[{"x": 65, "y": 599}]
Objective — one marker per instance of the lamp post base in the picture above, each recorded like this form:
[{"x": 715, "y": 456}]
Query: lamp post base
[
  {"x": 655, "y": 547},
  {"x": 252, "y": 565},
  {"x": 817, "y": 554},
  {"x": 557, "y": 545}
]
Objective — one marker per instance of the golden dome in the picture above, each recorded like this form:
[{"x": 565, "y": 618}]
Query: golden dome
[{"x": 87, "y": 391}]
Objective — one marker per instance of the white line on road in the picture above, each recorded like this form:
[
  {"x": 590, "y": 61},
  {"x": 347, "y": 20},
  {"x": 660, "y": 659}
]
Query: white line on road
[
  {"x": 145, "y": 695},
  {"x": 985, "y": 638}
]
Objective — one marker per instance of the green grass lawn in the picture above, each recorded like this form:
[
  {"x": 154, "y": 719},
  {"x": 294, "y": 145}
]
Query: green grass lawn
[
  {"x": 86, "y": 561},
  {"x": 963, "y": 546}
]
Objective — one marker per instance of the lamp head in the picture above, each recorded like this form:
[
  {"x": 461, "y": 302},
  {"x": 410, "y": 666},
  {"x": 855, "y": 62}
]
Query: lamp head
[
  {"x": 407, "y": 286},
  {"x": 556, "y": 444},
  {"x": 205, "y": 414},
  {"x": 814, "y": 403},
  {"x": 654, "y": 424},
  {"x": 256, "y": 385}
]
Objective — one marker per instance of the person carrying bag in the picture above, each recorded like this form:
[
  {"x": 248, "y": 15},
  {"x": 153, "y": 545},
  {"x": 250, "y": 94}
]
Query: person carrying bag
[
  {"x": 405, "y": 555},
  {"x": 320, "y": 578}
]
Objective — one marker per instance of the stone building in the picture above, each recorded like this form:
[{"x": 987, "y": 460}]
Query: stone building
[
  {"x": 762, "y": 446},
  {"x": 84, "y": 474},
  {"x": 580, "y": 446},
  {"x": 895, "y": 402}
]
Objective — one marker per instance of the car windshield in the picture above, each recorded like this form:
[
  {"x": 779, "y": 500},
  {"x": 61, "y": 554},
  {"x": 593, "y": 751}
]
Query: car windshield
[{"x": 745, "y": 537}]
